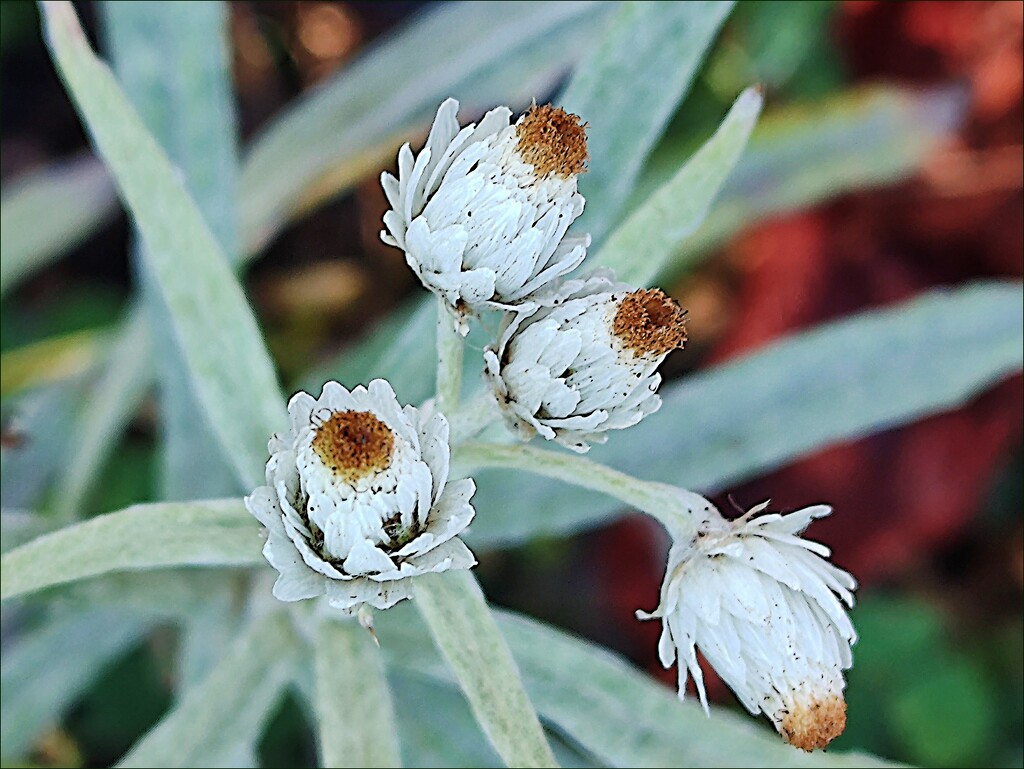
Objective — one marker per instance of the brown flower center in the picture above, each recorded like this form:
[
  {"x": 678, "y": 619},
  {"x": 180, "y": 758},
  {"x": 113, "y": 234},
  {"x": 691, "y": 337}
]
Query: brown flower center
[
  {"x": 815, "y": 723},
  {"x": 552, "y": 141},
  {"x": 354, "y": 444},
  {"x": 649, "y": 322}
]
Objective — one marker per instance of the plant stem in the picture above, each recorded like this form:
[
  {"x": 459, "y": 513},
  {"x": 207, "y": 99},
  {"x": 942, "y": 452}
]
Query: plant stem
[
  {"x": 449, "y": 361},
  {"x": 678, "y": 510},
  {"x": 473, "y": 416}
]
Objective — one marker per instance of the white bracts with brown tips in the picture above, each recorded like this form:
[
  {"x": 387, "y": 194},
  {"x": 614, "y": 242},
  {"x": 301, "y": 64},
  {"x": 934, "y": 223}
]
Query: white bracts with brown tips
[
  {"x": 765, "y": 608},
  {"x": 482, "y": 211},
  {"x": 357, "y": 499},
  {"x": 582, "y": 360}
]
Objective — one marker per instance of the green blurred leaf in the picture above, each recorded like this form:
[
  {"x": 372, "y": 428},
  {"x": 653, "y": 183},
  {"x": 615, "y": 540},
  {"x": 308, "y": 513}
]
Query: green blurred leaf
[
  {"x": 607, "y": 706},
  {"x": 628, "y": 87},
  {"x": 356, "y": 720},
  {"x": 168, "y": 594},
  {"x": 437, "y": 729},
  {"x": 491, "y": 50},
  {"x": 213, "y": 324},
  {"x": 47, "y": 669},
  {"x": 461, "y": 624},
  {"x": 837, "y": 382},
  {"x": 639, "y": 248},
  {"x": 799, "y": 156},
  {"x": 436, "y": 726},
  {"x": 173, "y": 62},
  {"x": 39, "y": 427},
  {"x": 222, "y": 718},
  {"x": 47, "y": 212},
  {"x": 110, "y": 401},
  {"x": 20, "y": 526},
  {"x": 210, "y": 533},
  {"x": 48, "y": 360}
]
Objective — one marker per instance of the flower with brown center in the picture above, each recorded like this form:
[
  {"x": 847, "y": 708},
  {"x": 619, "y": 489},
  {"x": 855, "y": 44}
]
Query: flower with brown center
[
  {"x": 482, "y": 211},
  {"x": 358, "y": 500},
  {"x": 583, "y": 360},
  {"x": 765, "y": 608}
]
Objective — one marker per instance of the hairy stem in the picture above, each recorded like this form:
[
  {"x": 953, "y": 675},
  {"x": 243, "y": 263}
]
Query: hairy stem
[
  {"x": 677, "y": 509},
  {"x": 449, "y": 361},
  {"x": 473, "y": 416}
]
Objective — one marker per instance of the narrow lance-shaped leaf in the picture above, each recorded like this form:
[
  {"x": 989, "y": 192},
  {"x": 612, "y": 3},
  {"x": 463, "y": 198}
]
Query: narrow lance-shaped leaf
[
  {"x": 627, "y": 89},
  {"x": 172, "y": 61},
  {"x": 837, "y": 382},
  {"x": 48, "y": 212},
  {"x": 224, "y": 715},
  {"x": 48, "y": 668},
  {"x": 800, "y": 155},
  {"x": 355, "y": 717},
  {"x": 48, "y": 360},
  {"x": 640, "y": 247},
  {"x": 41, "y": 419},
  {"x": 610, "y": 708},
  {"x": 401, "y": 81},
  {"x": 110, "y": 401},
  {"x": 213, "y": 325},
  {"x": 211, "y": 533},
  {"x": 464, "y": 630}
]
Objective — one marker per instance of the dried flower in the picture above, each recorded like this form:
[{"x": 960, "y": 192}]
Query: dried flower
[{"x": 763, "y": 606}]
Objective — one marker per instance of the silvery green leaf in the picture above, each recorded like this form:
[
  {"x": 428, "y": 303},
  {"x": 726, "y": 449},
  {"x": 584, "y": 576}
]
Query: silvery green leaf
[
  {"x": 801, "y": 155},
  {"x": 47, "y": 212},
  {"x": 214, "y": 721},
  {"x": 628, "y": 87},
  {"x": 607, "y": 706},
  {"x": 205, "y": 533},
  {"x": 640, "y": 247},
  {"x": 213, "y": 324},
  {"x": 168, "y": 595},
  {"x": 40, "y": 425},
  {"x": 354, "y": 713},
  {"x": 386, "y": 93},
  {"x": 172, "y": 61},
  {"x": 48, "y": 668},
  {"x": 110, "y": 401},
  {"x": 437, "y": 728},
  {"x": 461, "y": 624}
]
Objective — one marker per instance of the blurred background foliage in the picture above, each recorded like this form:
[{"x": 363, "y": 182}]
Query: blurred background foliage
[{"x": 831, "y": 211}]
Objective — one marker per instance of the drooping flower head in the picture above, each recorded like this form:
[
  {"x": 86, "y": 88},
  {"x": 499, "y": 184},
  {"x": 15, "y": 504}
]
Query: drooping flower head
[
  {"x": 482, "y": 211},
  {"x": 763, "y": 605},
  {"x": 357, "y": 498},
  {"x": 583, "y": 359}
]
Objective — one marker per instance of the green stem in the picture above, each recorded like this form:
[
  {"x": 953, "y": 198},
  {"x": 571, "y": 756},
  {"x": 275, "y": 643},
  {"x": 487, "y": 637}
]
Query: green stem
[
  {"x": 473, "y": 416},
  {"x": 465, "y": 632},
  {"x": 449, "y": 361},
  {"x": 677, "y": 509}
]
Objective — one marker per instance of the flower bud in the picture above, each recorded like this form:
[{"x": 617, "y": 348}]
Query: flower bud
[
  {"x": 482, "y": 211},
  {"x": 583, "y": 360}
]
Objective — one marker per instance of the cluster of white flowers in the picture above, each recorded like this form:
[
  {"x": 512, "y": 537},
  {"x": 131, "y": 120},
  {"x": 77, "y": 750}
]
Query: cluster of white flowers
[{"x": 357, "y": 498}]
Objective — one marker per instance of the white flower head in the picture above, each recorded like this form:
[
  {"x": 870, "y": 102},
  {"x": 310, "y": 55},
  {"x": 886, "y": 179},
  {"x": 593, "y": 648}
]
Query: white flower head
[
  {"x": 357, "y": 499},
  {"x": 482, "y": 211},
  {"x": 765, "y": 608},
  {"x": 582, "y": 360}
]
